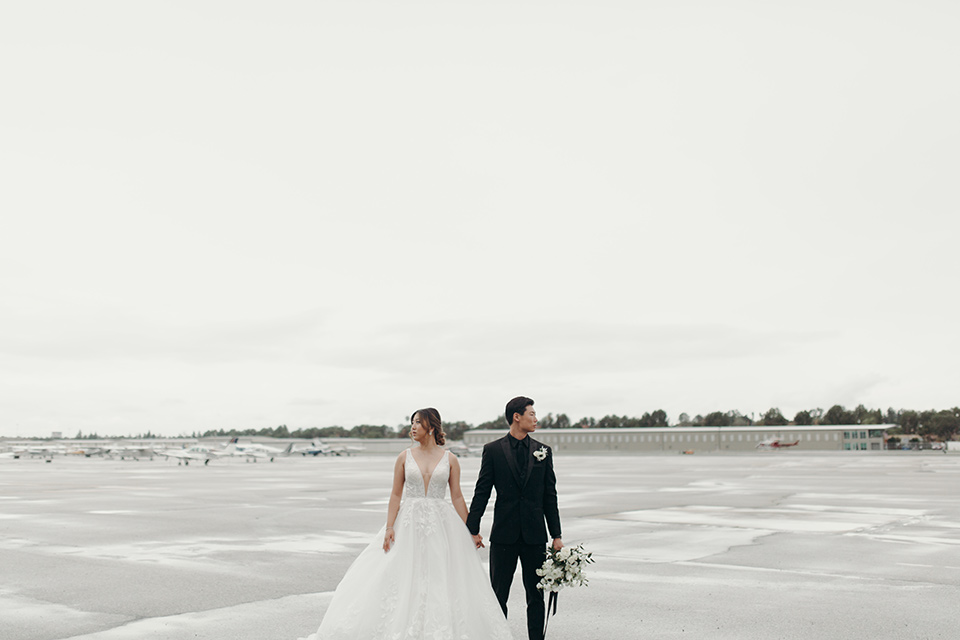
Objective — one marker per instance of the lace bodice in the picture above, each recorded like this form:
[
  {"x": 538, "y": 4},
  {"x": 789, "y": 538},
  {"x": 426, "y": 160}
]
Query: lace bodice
[{"x": 414, "y": 481}]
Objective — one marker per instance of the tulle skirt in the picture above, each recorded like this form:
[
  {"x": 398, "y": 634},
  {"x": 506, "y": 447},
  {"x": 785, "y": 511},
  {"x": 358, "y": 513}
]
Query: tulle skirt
[{"x": 430, "y": 585}]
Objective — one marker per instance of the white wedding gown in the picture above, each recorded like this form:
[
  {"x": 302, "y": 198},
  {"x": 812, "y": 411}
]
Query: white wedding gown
[{"x": 430, "y": 586}]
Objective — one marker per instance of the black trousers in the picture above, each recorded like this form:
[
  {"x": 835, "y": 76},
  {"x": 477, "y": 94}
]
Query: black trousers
[{"x": 503, "y": 565}]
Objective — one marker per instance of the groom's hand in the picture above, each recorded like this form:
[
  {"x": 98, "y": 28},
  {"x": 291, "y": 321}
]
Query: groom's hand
[
  {"x": 557, "y": 544},
  {"x": 478, "y": 541}
]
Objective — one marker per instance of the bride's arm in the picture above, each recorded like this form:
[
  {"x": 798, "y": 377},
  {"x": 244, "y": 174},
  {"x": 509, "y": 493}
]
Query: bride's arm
[
  {"x": 456, "y": 494},
  {"x": 395, "y": 495}
]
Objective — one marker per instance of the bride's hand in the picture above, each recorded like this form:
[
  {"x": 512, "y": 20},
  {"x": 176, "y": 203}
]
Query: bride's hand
[{"x": 388, "y": 540}]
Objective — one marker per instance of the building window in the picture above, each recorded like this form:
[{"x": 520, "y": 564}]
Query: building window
[{"x": 863, "y": 435}]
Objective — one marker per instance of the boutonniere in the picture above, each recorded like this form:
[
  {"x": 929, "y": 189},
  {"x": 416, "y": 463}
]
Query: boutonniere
[{"x": 540, "y": 454}]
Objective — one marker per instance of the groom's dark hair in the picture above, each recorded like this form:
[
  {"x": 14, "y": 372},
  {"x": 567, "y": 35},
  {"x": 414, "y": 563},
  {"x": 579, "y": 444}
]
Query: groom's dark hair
[{"x": 517, "y": 405}]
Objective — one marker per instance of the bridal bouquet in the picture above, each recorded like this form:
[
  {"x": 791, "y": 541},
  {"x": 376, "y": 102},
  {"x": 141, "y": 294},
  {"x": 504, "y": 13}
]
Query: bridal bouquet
[
  {"x": 564, "y": 568},
  {"x": 561, "y": 569}
]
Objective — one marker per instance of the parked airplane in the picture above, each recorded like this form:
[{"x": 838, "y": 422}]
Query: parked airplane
[
  {"x": 254, "y": 451},
  {"x": 130, "y": 452},
  {"x": 317, "y": 448},
  {"x": 195, "y": 453},
  {"x": 462, "y": 450},
  {"x": 37, "y": 451},
  {"x": 774, "y": 443}
]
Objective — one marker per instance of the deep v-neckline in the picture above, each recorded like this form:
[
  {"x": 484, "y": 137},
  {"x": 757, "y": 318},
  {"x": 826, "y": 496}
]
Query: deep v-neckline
[{"x": 426, "y": 479}]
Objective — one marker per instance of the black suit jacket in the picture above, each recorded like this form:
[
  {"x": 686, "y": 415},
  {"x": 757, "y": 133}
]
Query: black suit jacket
[{"x": 521, "y": 507}]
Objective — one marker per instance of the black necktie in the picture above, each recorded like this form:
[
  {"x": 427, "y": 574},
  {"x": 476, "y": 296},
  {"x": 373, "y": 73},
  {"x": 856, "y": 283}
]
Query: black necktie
[{"x": 521, "y": 459}]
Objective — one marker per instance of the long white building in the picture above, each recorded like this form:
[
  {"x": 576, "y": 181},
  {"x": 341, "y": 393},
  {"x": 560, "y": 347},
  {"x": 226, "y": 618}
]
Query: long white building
[{"x": 703, "y": 439}]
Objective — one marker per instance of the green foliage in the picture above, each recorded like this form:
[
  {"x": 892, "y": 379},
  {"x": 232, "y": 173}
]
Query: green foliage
[
  {"x": 862, "y": 415},
  {"x": 497, "y": 423},
  {"x": 716, "y": 419},
  {"x": 838, "y": 415},
  {"x": 930, "y": 424},
  {"x": 909, "y": 421},
  {"x": 455, "y": 430},
  {"x": 773, "y": 418}
]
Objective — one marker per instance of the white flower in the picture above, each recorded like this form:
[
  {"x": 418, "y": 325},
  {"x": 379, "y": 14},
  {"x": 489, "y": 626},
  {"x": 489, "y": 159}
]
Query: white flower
[{"x": 540, "y": 454}]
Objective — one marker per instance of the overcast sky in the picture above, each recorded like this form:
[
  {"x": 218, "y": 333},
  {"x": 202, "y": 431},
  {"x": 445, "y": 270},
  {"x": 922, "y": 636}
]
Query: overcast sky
[{"x": 246, "y": 214}]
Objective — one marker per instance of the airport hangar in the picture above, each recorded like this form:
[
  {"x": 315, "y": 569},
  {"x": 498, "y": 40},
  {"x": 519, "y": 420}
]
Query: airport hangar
[{"x": 844, "y": 437}]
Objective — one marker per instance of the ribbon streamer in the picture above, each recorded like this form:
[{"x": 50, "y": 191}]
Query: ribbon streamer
[{"x": 551, "y": 602}]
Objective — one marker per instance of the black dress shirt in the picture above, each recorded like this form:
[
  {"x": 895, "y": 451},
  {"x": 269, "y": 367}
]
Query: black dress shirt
[{"x": 521, "y": 452}]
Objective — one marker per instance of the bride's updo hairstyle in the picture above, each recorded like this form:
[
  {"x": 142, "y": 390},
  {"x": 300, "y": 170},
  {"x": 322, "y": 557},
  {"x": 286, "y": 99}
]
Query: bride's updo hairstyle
[{"x": 430, "y": 418}]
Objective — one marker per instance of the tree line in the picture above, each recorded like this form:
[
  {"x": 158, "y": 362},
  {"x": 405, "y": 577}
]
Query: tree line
[{"x": 931, "y": 424}]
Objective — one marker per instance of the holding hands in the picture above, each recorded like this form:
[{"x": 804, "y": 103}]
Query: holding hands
[{"x": 478, "y": 541}]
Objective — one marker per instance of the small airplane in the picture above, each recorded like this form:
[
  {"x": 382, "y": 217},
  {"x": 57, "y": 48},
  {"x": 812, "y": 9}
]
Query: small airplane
[
  {"x": 195, "y": 453},
  {"x": 462, "y": 450},
  {"x": 317, "y": 448},
  {"x": 774, "y": 443},
  {"x": 130, "y": 452},
  {"x": 254, "y": 451},
  {"x": 86, "y": 452},
  {"x": 37, "y": 452}
]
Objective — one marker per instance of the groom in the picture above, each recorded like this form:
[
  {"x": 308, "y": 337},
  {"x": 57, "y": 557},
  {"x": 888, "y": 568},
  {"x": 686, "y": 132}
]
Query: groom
[{"x": 521, "y": 469}]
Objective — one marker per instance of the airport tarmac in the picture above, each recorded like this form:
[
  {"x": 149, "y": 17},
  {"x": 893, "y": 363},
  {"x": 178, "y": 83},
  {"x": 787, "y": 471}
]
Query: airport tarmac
[{"x": 760, "y": 546}]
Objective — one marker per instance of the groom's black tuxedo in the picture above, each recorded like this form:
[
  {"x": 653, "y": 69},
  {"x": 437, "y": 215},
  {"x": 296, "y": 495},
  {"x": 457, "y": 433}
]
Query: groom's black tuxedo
[
  {"x": 523, "y": 502},
  {"x": 526, "y": 499}
]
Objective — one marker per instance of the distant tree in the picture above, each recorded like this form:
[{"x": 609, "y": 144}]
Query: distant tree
[
  {"x": 817, "y": 415},
  {"x": 926, "y": 419},
  {"x": 803, "y": 417},
  {"x": 658, "y": 418},
  {"x": 717, "y": 419},
  {"x": 892, "y": 417},
  {"x": 684, "y": 420},
  {"x": 370, "y": 431},
  {"x": 942, "y": 425},
  {"x": 773, "y": 417},
  {"x": 609, "y": 422},
  {"x": 838, "y": 415},
  {"x": 499, "y": 422},
  {"x": 909, "y": 421},
  {"x": 563, "y": 422},
  {"x": 862, "y": 415},
  {"x": 737, "y": 419},
  {"x": 698, "y": 421},
  {"x": 547, "y": 422},
  {"x": 455, "y": 430}
]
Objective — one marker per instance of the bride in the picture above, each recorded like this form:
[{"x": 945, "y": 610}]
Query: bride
[{"x": 425, "y": 581}]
